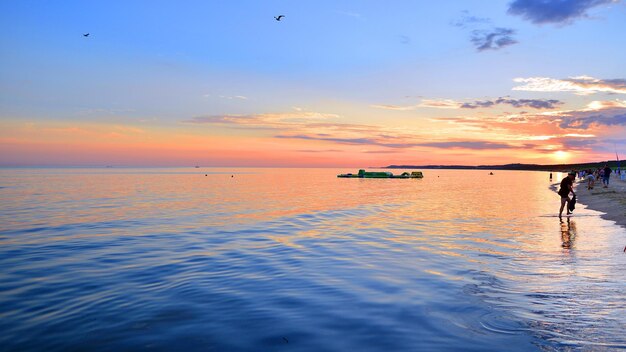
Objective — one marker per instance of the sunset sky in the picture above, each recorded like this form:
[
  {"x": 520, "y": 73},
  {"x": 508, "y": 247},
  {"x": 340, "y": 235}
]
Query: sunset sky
[{"x": 334, "y": 83}]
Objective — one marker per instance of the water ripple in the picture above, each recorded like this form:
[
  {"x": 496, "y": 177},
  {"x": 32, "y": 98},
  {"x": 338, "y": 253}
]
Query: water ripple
[{"x": 177, "y": 260}]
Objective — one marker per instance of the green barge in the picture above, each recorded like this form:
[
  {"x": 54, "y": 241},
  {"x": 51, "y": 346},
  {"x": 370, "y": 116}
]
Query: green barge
[{"x": 382, "y": 174}]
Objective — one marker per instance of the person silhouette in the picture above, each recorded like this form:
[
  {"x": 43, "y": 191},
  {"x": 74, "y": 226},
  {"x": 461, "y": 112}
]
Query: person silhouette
[{"x": 567, "y": 185}]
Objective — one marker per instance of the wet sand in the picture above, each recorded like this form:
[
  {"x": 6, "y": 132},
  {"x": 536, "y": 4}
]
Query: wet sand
[{"x": 611, "y": 200}]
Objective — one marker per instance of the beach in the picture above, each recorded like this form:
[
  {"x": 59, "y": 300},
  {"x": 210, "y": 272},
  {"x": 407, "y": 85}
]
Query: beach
[{"x": 611, "y": 201}]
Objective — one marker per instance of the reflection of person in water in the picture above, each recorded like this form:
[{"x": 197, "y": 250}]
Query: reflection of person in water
[{"x": 568, "y": 233}]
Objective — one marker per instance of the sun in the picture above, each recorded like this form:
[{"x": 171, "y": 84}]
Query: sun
[{"x": 560, "y": 155}]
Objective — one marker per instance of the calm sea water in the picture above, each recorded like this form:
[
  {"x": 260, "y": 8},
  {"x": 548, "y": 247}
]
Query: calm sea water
[{"x": 299, "y": 260}]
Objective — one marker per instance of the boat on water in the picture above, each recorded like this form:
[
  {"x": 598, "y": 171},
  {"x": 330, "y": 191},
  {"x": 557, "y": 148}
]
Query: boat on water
[{"x": 382, "y": 174}]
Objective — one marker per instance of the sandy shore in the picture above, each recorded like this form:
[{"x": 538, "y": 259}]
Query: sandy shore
[{"x": 611, "y": 200}]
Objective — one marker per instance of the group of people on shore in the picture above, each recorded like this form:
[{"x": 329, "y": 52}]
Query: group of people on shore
[
  {"x": 567, "y": 184},
  {"x": 592, "y": 175}
]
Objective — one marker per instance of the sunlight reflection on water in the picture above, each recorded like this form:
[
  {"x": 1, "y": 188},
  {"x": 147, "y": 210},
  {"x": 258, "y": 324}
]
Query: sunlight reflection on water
[{"x": 104, "y": 259}]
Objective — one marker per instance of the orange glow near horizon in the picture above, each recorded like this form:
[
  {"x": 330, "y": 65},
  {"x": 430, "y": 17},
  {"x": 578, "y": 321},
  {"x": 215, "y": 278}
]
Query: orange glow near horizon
[{"x": 276, "y": 140}]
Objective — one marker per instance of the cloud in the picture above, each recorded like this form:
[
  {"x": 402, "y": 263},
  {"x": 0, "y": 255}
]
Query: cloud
[
  {"x": 349, "y": 141},
  {"x": 578, "y": 143},
  {"x": 319, "y": 151},
  {"x": 602, "y": 113},
  {"x": 453, "y": 104},
  {"x": 394, "y": 107},
  {"x": 584, "y": 120},
  {"x": 517, "y": 103},
  {"x": 312, "y": 126},
  {"x": 600, "y": 105},
  {"x": 439, "y": 104},
  {"x": 276, "y": 120},
  {"x": 582, "y": 85},
  {"x": 404, "y": 39},
  {"x": 579, "y": 135},
  {"x": 380, "y": 151},
  {"x": 468, "y": 20},
  {"x": 425, "y": 103},
  {"x": 493, "y": 39},
  {"x": 397, "y": 144},
  {"x": 485, "y": 36},
  {"x": 351, "y": 14},
  {"x": 229, "y": 97},
  {"x": 478, "y": 104},
  {"x": 469, "y": 145},
  {"x": 555, "y": 11}
]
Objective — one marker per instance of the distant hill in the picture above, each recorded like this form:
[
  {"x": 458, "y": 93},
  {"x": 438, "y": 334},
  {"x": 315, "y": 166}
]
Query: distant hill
[{"x": 524, "y": 167}]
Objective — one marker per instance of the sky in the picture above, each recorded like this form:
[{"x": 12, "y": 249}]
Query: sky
[{"x": 332, "y": 84}]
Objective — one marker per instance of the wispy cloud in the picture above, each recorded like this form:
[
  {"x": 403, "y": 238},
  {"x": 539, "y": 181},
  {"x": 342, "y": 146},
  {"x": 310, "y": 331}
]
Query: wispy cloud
[
  {"x": 425, "y": 103},
  {"x": 599, "y": 104},
  {"x": 311, "y": 126},
  {"x": 475, "y": 145},
  {"x": 277, "y": 120},
  {"x": 394, "y": 107},
  {"x": 493, "y": 39},
  {"x": 404, "y": 39},
  {"x": 379, "y": 139},
  {"x": 466, "y": 20},
  {"x": 453, "y": 104},
  {"x": 541, "y": 130},
  {"x": 552, "y": 125},
  {"x": 319, "y": 151},
  {"x": 439, "y": 104},
  {"x": 380, "y": 151},
  {"x": 582, "y": 85},
  {"x": 584, "y": 120},
  {"x": 228, "y": 97},
  {"x": 351, "y": 14},
  {"x": 517, "y": 103},
  {"x": 556, "y": 11},
  {"x": 483, "y": 35}
]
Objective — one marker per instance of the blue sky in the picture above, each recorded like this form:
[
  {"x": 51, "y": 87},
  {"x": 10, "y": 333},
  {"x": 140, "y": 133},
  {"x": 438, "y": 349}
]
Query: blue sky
[{"x": 168, "y": 62}]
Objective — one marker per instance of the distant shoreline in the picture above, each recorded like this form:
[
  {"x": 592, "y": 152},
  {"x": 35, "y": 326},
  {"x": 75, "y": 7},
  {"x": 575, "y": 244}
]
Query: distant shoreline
[{"x": 518, "y": 167}]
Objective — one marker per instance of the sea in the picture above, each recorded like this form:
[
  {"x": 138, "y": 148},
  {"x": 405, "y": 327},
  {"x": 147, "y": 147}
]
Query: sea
[{"x": 247, "y": 259}]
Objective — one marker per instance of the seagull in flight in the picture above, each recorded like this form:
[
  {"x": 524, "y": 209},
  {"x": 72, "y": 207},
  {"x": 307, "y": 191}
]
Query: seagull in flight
[
  {"x": 278, "y": 18},
  {"x": 86, "y": 35}
]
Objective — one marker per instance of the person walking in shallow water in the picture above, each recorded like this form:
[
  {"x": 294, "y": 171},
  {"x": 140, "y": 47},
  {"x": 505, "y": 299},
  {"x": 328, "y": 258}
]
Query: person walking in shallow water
[{"x": 567, "y": 187}]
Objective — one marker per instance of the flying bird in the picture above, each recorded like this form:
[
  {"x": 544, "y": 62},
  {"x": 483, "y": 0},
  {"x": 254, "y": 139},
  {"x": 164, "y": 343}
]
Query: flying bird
[
  {"x": 278, "y": 18},
  {"x": 86, "y": 35}
]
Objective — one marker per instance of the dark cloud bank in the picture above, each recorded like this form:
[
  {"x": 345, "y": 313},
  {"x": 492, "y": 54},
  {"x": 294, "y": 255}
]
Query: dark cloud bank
[
  {"x": 517, "y": 103},
  {"x": 554, "y": 11},
  {"x": 584, "y": 122}
]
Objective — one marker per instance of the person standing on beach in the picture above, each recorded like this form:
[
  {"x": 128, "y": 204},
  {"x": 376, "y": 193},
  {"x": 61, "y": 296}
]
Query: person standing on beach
[
  {"x": 607, "y": 175},
  {"x": 567, "y": 187}
]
